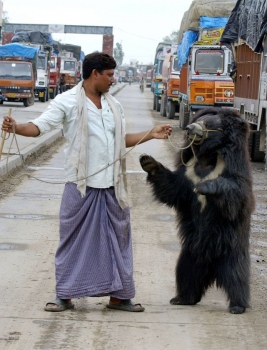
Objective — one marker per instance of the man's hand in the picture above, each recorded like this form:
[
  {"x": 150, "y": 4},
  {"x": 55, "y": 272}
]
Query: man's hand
[
  {"x": 27, "y": 129},
  {"x": 161, "y": 131},
  {"x": 9, "y": 124}
]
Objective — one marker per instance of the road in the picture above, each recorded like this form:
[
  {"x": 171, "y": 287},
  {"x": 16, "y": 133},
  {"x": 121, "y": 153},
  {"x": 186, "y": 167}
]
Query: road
[{"x": 29, "y": 237}]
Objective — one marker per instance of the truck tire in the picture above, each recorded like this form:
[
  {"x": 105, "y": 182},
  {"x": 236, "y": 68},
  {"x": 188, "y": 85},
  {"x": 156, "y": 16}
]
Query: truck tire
[
  {"x": 46, "y": 95},
  {"x": 163, "y": 106},
  {"x": 157, "y": 104},
  {"x": 255, "y": 154},
  {"x": 28, "y": 101},
  {"x": 52, "y": 94},
  {"x": 170, "y": 109},
  {"x": 154, "y": 102},
  {"x": 184, "y": 116},
  {"x": 1, "y": 102}
]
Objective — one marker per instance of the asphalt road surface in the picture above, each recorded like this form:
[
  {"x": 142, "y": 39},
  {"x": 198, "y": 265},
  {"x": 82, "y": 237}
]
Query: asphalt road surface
[{"x": 29, "y": 237}]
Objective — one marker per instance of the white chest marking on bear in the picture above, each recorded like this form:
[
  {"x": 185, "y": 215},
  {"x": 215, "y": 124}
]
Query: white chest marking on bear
[{"x": 191, "y": 175}]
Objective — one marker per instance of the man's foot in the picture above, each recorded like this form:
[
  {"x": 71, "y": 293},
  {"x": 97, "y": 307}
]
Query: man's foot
[
  {"x": 124, "y": 305},
  {"x": 58, "y": 305}
]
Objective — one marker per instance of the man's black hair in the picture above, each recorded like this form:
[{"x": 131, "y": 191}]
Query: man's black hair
[{"x": 99, "y": 61}]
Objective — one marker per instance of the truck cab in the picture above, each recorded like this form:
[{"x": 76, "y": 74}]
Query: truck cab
[
  {"x": 69, "y": 67},
  {"x": 54, "y": 75},
  {"x": 43, "y": 75},
  {"x": 209, "y": 81}
]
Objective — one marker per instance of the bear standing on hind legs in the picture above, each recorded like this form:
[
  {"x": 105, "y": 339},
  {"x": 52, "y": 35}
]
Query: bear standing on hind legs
[{"x": 211, "y": 192}]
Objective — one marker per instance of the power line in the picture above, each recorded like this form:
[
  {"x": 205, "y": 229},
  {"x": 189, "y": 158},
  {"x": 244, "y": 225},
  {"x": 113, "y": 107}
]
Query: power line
[{"x": 135, "y": 34}]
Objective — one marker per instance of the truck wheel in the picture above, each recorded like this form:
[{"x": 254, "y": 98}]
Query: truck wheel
[
  {"x": 52, "y": 94},
  {"x": 46, "y": 95},
  {"x": 184, "y": 116},
  {"x": 154, "y": 102},
  {"x": 170, "y": 109},
  {"x": 1, "y": 102},
  {"x": 28, "y": 101},
  {"x": 157, "y": 104},
  {"x": 255, "y": 153},
  {"x": 163, "y": 106}
]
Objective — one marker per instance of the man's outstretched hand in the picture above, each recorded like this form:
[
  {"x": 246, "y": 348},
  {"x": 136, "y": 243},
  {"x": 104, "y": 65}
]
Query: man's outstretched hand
[{"x": 161, "y": 131}]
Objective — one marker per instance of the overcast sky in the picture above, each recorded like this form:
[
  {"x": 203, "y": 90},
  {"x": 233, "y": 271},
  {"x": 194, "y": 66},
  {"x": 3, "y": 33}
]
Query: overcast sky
[{"x": 137, "y": 24}]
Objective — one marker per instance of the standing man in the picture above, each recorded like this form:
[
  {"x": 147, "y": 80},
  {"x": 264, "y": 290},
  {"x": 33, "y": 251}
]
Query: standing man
[
  {"x": 94, "y": 256},
  {"x": 62, "y": 83}
]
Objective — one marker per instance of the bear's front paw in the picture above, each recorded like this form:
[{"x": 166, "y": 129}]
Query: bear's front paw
[{"x": 149, "y": 164}]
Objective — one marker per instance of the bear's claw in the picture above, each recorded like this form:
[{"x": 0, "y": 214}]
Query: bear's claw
[{"x": 148, "y": 163}]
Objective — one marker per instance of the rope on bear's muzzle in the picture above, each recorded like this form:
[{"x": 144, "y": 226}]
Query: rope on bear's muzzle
[
  {"x": 197, "y": 138},
  {"x": 200, "y": 132}
]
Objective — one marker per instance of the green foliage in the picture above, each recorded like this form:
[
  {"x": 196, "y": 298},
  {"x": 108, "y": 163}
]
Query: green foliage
[
  {"x": 172, "y": 38},
  {"x": 5, "y": 19},
  {"x": 118, "y": 54}
]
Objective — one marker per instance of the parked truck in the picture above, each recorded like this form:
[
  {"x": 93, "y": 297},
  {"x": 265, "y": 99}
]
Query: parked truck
[
  {"x": 246, "y": 32},
  {"x": 18, "y": 73},
  {"x": 204, "y": 63},
  {"x": 171, "y": 84},
  {"x": 70, "y": 64},
  {"x": 157, "y": 84},
  {"x": 43, "y": 42}
]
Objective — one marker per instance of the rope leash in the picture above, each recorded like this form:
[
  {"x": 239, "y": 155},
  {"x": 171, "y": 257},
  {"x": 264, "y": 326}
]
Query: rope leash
[{"x": 58, "y": 183}]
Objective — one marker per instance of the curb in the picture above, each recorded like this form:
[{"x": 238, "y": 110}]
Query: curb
[{"x": 16, "y": 161}]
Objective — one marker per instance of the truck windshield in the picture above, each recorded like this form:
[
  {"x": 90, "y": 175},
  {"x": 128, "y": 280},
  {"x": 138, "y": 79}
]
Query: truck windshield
[
  {"x": 11, "y": 70},
  {"x": 159, "y": 67},
  {"x": 209, "y": 61},
  {"x": 41, "y": 62},
  {"x": 175, "y": 66},
  {"x": 69, "y": 65}
]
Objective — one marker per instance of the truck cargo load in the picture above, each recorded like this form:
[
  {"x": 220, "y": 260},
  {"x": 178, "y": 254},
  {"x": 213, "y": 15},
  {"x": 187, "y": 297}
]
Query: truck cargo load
[
  {"x": 18, "y": 73},
  {"x": 204, "y": 63}
]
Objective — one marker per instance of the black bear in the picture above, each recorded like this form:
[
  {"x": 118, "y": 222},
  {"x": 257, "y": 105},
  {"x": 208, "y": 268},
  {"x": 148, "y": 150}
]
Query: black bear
[{"x": 211, "y": 192}]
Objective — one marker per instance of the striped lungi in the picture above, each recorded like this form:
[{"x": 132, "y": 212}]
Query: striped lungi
[{"x": 94, "y": 257}]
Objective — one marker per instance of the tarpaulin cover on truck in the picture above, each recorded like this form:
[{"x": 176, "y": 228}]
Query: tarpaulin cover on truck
[
  {"x": 76, "y": 50},
  {"x": 212, "y": 22},
  {"x": 189, "y": 38},
  {"x": 248, "y": 21},
  {"x": 208, "y": 8},
  {"x": 34, "y": 37},
  {"x": 17, "y": 50}
]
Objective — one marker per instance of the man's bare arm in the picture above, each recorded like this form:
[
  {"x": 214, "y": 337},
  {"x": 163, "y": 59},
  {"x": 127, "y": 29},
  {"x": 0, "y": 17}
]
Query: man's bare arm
[{"x": 27, "y": 129}]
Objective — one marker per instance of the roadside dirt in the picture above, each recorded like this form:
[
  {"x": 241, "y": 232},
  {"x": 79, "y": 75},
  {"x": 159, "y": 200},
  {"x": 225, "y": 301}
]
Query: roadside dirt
[{"x": 14, "y": 177}]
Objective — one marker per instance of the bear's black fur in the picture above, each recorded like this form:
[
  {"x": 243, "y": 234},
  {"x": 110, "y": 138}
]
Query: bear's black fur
[{"x": 211, "y": 191}]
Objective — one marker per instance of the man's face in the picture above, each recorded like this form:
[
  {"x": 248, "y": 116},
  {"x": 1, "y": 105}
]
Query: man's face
[{"x": 104, "y": 80}]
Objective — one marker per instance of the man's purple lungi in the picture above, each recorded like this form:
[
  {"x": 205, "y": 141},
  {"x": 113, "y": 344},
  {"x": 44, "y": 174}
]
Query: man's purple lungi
[{"x": 94, "y": 257}]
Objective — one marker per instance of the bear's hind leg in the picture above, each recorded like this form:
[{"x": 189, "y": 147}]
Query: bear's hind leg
[
  {"x": 192, "y": 280},
  {"x": 232, "y": 274}
]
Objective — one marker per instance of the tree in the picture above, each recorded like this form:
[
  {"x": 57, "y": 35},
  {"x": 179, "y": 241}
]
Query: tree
[
  {"x": 5, "y": 19},
  {"x": 118, "y": 54},
  {"x": 172, "y": 38}
]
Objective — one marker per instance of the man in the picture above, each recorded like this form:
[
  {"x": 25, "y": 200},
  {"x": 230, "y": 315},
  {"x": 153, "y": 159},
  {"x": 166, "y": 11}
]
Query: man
[
  {"x": 94, "y": 256},
  {"x": 62, "y": 83}
]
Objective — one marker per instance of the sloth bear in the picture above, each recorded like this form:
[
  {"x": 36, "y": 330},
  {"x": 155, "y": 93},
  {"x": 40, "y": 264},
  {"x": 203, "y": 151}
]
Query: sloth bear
[{"x": 211, "y": 192}]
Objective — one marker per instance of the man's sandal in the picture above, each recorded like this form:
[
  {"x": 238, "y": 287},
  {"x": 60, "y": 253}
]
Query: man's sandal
[
  {"x": 61, "y": 305},
  {"x": 126, "y": 305}
]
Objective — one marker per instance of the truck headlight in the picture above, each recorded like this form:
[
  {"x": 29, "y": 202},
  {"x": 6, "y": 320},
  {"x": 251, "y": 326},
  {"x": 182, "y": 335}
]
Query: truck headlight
[
  {"x": 228, "y": 93},
  {"x": 199, "y": 99}
]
